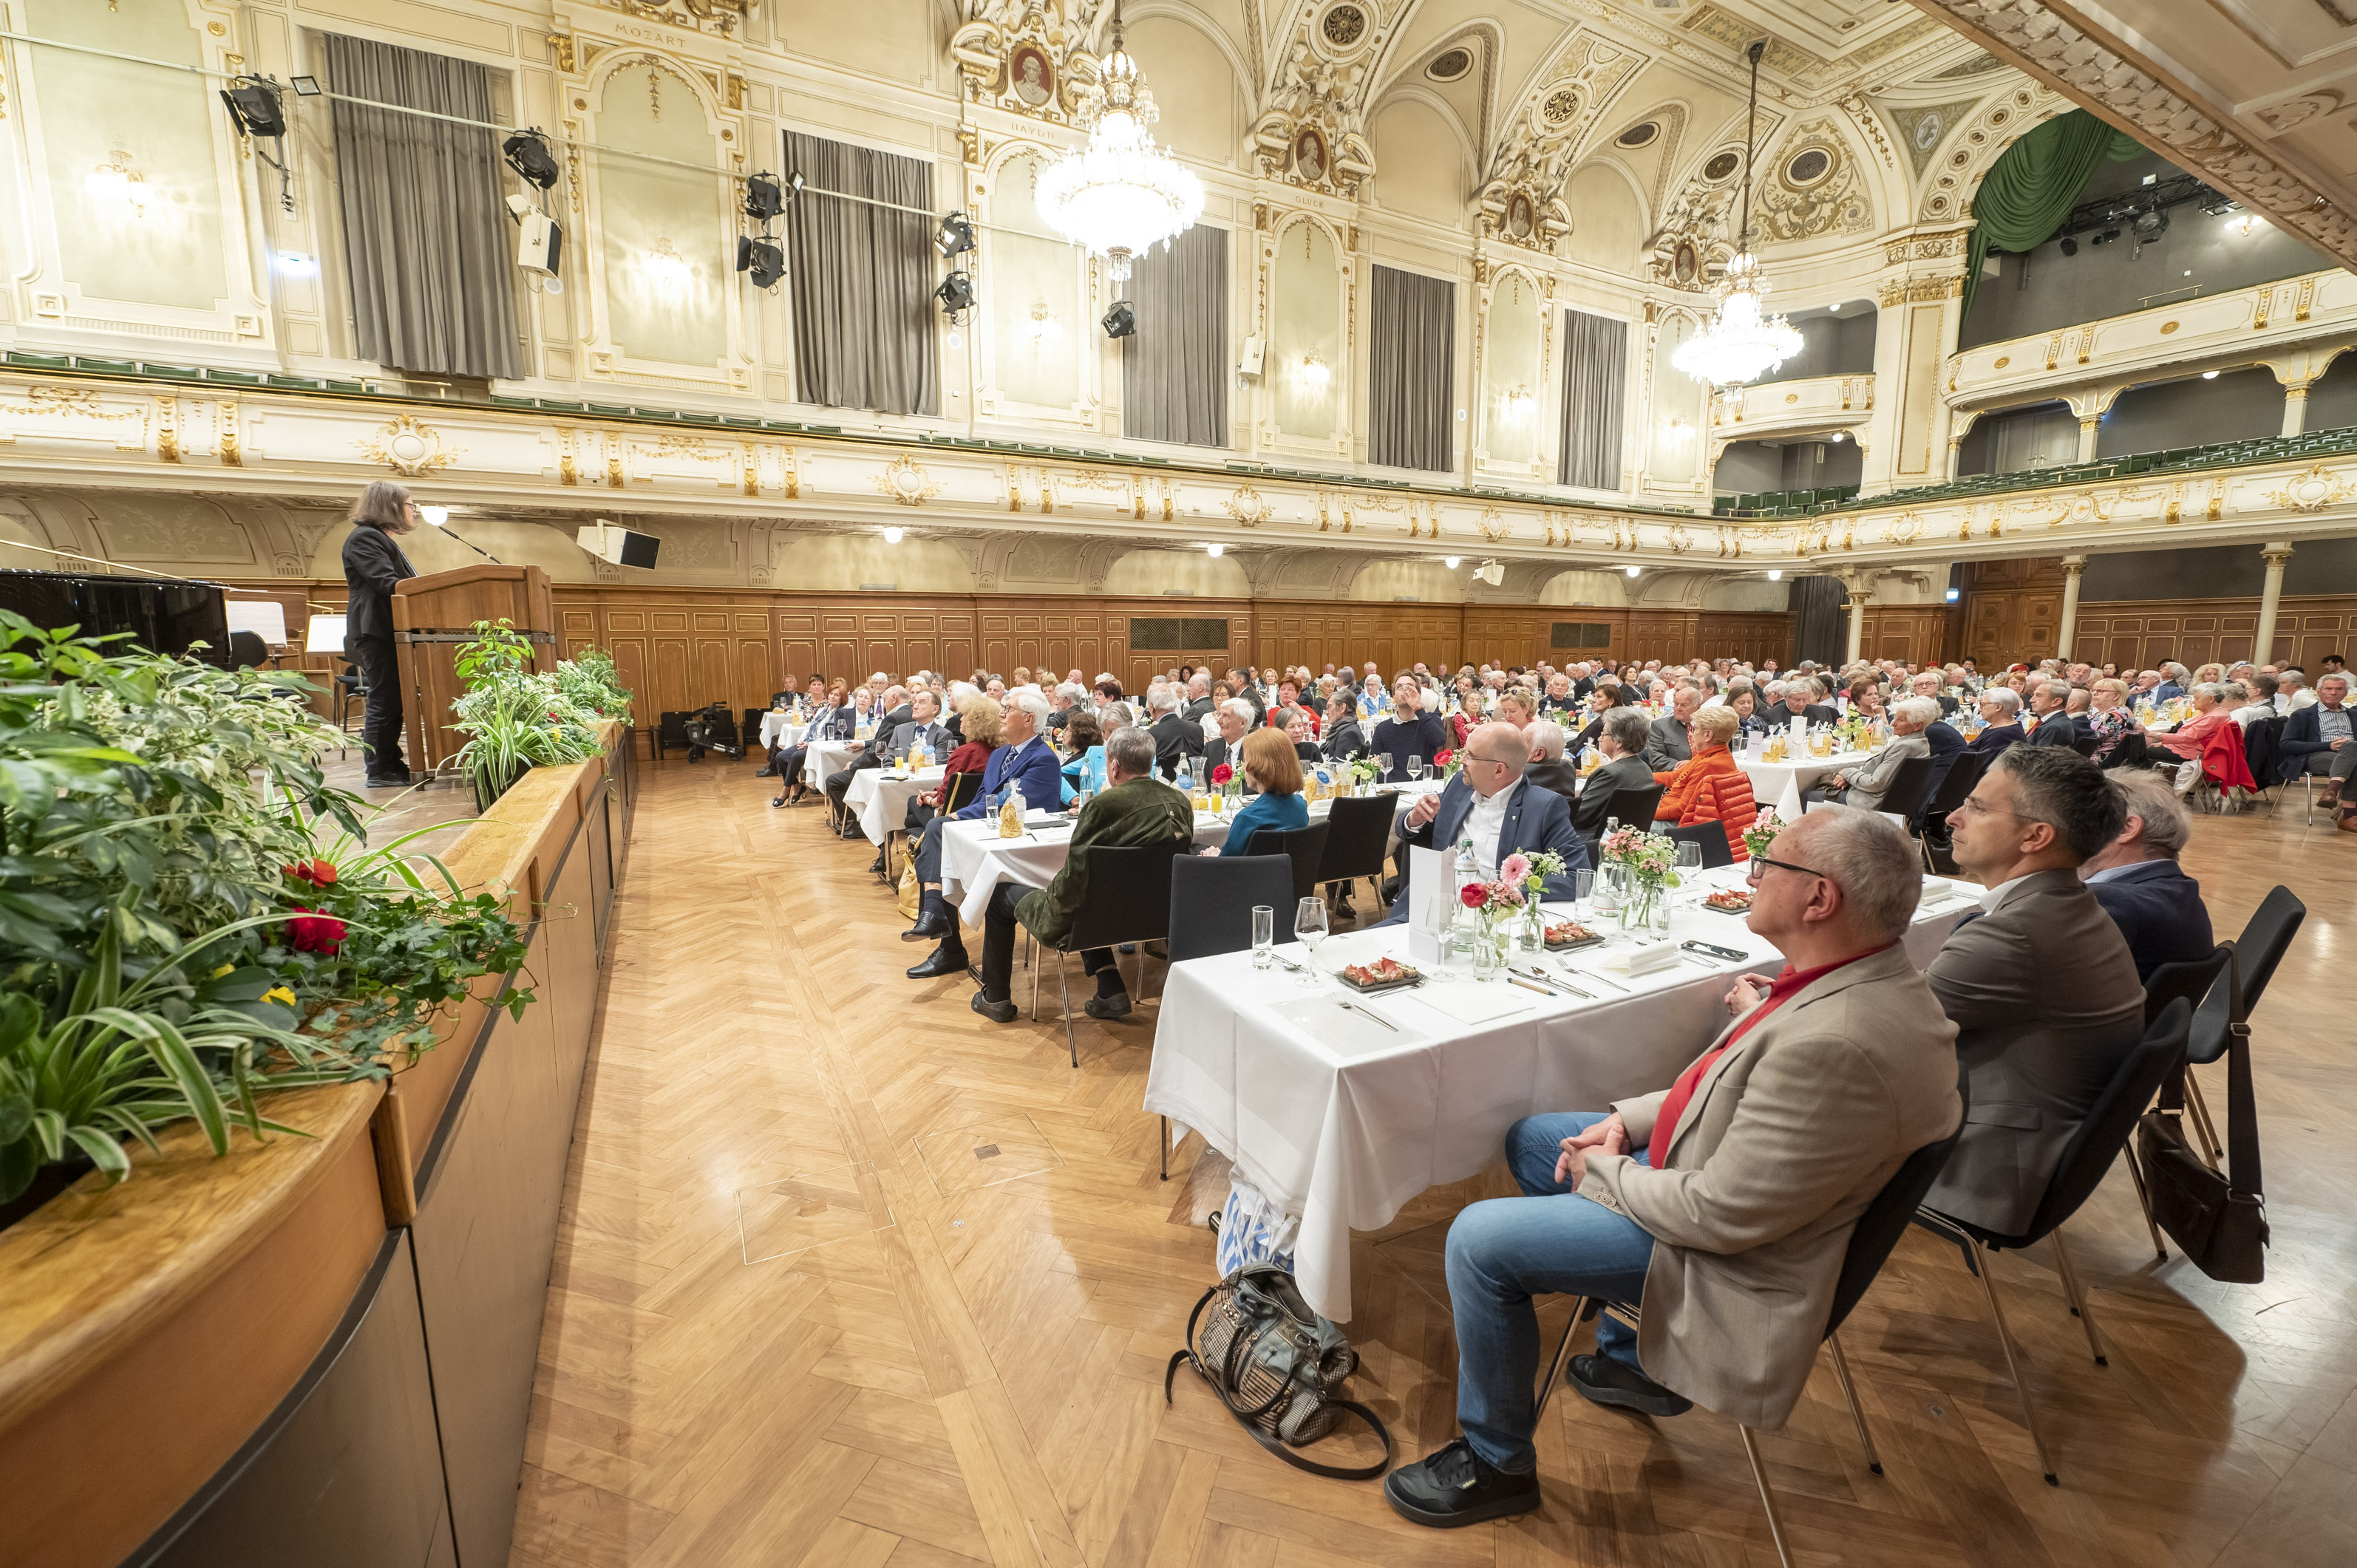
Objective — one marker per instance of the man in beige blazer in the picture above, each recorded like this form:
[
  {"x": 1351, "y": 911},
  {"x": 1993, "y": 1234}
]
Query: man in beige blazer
[
  {"x": 2039, "y": 1042},
  {"x": 1725, "y": 1203}
]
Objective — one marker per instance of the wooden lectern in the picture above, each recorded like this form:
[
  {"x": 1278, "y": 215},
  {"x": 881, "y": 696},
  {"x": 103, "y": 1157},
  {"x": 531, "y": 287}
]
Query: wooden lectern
[{"x": 433, "y": 615}]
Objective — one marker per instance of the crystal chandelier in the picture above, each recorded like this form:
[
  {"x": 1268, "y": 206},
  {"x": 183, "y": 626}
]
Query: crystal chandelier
[
  {"x": 1742, "y": 342},
  {"x": 1119, "y": 194}
]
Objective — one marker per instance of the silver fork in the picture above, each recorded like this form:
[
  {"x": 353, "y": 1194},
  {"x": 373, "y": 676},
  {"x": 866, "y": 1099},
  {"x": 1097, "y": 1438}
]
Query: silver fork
[{"x": 1367, "y": 1013}]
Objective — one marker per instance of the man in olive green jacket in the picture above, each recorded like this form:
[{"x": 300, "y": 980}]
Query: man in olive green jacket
[{"x": 1134, "y": 808}]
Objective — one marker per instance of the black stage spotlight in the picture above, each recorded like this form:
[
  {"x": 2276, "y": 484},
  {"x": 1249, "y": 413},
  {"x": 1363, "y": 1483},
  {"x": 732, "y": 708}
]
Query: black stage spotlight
[
  {"x": 254, "y": 104},
  {"x": 2150, "y": 226},
  {"x": 955, "y": 234},
  {"x": 306, "y": 87},
  {"x": 527, "y": 153},
  {"x": 765, "y": 259},
  {"x": 2069, "y": 246},
  {"x": 1121, "y": 321},
  {"x": 956, "y": 294},
  {"x": 764, "y": 197}
]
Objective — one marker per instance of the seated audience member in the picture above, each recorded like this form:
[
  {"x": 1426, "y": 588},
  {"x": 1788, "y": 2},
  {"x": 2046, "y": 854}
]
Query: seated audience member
[
  {"x": 1176, "y": 737},
  {"x": 1865, "y": 699},
  {"x": 979, "y": 720},
  {"x": 1026, "y": 763},
  {"x": 1549, "y": 768},
  {"x": 2186, "y": 741},
  {"x": 2261, "y": 703},
  {"x": 1490, "y": 803},
  {"x": 2051, "y": 708},
  {"x": 1864, "y": 784},
  {"x": 1302, "y": 731},
  {"x": 1234, "y": 720},
  {"x": 1084, "y": 751},
  {"x": 2110, "y": 716},
  {"x": 2175, "y": 681},
  {"x": 1134, "y": 809},
  {"x": 1413, "y": 729},
  {"x": 2291, "y": 691},
  {"x": 2001, "y": 722},
  {"x": 1721, "y": 1206},
  {"x": 1374, "y": 701},
  {"x": 1623, "y": 741},
  {"x": 895, "y": 711},
  {"x": 1272, "y": 775},
  {"x": 2135, "y": 878},
  {"x": 1517, "y": 706},
  {"x": 1743, "y": 701},
  {"x": 1711, "y": 787},
  {"x": 1344, "y": 739},
  {"x": 1795, "y": 699},
  {"x": 1932, "y": 684},
  {"x": 1069, "y": 698},
  {"x": 2316, "y": 739},
  {"x": 1666, "y": 744},
  {"x": 831, "y": 720},
  {"x": 2038, "y": 1046}
]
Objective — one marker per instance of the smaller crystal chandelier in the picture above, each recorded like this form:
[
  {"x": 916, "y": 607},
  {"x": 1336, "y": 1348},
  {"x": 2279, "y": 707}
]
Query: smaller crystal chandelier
[
  {"x": 1742, "y": 342},
  {"x": 1119, "y": 194}
]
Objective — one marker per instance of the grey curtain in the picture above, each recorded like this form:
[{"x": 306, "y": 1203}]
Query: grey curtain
[
  {"x": 1595, "y": 373},
  {"x": 427, "y": 235},
  {"x": 863, "y": 279},
  {"x": 1820, "y": 623},
  {"x": 1174, "y": 368},
  {"x": 1411, "y": 366}
]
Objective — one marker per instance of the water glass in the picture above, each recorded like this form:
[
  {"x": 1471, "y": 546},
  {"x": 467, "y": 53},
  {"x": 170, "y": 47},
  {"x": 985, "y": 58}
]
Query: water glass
[
  {"x": 1263, "y": 935},
  {"x": 1583, "y": 893},
  {"x": 992, "y": 801},
  {"x": 1309, "y": 925}
]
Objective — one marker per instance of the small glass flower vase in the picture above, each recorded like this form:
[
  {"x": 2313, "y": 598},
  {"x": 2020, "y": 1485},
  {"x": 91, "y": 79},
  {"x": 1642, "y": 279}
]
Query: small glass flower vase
[
  {"x": 1233, "y": 797},
  {"x": 1646, "y": 908},
  {"x": 1490, "y": 952},
  {"x": 1532, "y": 935}
]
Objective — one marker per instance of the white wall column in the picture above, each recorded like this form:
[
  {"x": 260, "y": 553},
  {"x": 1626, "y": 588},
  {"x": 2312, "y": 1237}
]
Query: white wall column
[
  {"x": 1860, "y": 596},
  {"x": 2088, "y": 430},
  {"x": 2276, "y": 552},
  {"x": 2064, "y": 634},
  {"x": 2295, "y": 420}
]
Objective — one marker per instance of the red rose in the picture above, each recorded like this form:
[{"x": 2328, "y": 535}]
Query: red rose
[
  {"x": 1443, "y": 758},
  {"x": 310, "y": 931},
  {"x": 1222, "y": 773},
  {"x": 1473, "y": 894},
  {"x": 318, "y": 873}
]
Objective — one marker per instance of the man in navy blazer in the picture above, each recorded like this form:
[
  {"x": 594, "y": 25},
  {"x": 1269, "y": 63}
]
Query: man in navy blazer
[
  {"x": 2136, "y": 880},
  {"x": 1489, "y": 789},
  {"x": 1024, "y": 761},
  {"x": 2056, "y": 726},
  {"x": 2318, "y": 738}
]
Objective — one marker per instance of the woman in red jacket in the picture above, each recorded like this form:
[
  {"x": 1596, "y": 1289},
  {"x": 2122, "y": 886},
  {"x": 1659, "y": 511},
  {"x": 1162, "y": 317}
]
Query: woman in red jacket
[{"x": 1710, "y": 788}]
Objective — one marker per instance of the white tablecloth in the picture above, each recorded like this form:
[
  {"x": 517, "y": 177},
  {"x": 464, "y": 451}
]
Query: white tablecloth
[
  {"x": 879, "y": 799},
  {"x": 779, "y": 729},
  {"x": 826, "y": 758},
  {"x": 1779, "y": 784},
  {"x": 1341, "y": 1122}
]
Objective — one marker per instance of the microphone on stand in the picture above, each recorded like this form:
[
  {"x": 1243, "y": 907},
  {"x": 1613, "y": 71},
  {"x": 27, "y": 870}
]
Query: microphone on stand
[{"x": 439, "y": 516}]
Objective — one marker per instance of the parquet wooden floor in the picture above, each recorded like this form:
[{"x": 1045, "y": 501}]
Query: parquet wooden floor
[{"x": 848, "y": 1276}]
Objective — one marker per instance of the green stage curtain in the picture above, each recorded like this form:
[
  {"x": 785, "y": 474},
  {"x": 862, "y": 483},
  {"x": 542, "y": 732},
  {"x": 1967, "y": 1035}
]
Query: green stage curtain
[{"x": 2032, "y": 188}]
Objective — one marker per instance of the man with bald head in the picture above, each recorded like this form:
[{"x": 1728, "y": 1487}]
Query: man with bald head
[{"x": 1490, "y": 804}]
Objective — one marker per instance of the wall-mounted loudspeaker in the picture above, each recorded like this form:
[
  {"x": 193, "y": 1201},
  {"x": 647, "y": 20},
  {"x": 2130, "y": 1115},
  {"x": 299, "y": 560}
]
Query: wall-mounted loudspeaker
[
  {"x": 1256, "y": 352},
  {"x": 612, "y": 542}
]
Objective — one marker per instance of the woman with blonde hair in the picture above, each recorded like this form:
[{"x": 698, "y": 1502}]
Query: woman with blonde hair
[
  {"x": 373, "y": 567},
  {"x": 1273, "y": 768},
  {"x": 1709, "y": 787}
]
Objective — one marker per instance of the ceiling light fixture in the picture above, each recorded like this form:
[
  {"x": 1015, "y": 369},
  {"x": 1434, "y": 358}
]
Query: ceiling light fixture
[
  {"x": 1121, "y": 321},
  {"x": 1450, "y": 562},
  {"x": 1741, "y": 341},
  {"x": 956, "y": 294},
  {"x": 955, "y": 236},
  {"x": 2208, "y": 375},
  {"x": 1119, "y": 194},
  {"x": 1634, "y": 570},
  {"x": 1775, "y": 573},
  {"x": 892, "y": 536},
  {"x": 1215, "y": 550},
  {"x": 764, "y": 258}
]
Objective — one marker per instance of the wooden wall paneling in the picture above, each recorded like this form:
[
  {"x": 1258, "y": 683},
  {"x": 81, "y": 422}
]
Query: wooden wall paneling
[
  {"x": 2139, "y": 634},
  {"x": 1914, "y": 633},
  {"x": 1753, "y": 635}
]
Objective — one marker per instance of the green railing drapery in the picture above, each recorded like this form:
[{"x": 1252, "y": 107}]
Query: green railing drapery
[{"x": 2029, "y": 192}]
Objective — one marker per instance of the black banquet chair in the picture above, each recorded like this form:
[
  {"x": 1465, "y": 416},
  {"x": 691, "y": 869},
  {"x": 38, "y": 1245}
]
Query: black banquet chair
[
  {"x": 2257, "y": 951},
  {"x": 1306, "y": 847},
  {"x": 1129, "y": 900},
  {"x": 1635, "y": 808},
  {"x": 1212, "y": 901},
  {"x": 1358, "y": 841},
  {"x": 1712, "y": 836}
]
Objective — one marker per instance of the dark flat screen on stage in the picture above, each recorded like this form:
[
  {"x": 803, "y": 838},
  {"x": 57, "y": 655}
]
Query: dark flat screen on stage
[{"x": 162, "y": 615}]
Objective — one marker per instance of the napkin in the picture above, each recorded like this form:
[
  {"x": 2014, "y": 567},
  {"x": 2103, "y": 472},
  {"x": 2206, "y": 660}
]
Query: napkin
[
  {"x": 1639, "y": 959},
  {"x": 1351, "y": 1034},
  {"x": 1465, "y": 1003}
]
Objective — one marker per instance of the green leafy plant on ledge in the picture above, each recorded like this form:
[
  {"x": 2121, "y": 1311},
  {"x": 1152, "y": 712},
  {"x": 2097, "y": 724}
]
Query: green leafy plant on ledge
[
  {"x": 516, "y": 718},
  {"x": 190, "y": 916}
]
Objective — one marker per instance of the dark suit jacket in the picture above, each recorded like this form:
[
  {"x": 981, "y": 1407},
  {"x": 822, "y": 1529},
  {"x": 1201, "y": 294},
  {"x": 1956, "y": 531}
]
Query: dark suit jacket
[
  {"x": 1535, "y": 819},
  {"x": 880, "y": 739},
  {"x": 1595, "y": 801},
  {"x": 1558, "y": 776},
  {"x": 1198, "y": 709},
  {"x": 905, "y": 735},
  {"x": 1781, "y": 717},
  {"x": 1215, "y": 752},
  {"x": 2160, "y": 912},
  {"x": 2061, "y": 729},
  {"x": 2037, "y": 1053},
  {"x": 1174, "y": 738},
  {"x": 1345, "y": 741},
  {"x": 373, "y": 567},
  {"x": 1996, "y": 738},
  {"x": 2303, "y": 737}
]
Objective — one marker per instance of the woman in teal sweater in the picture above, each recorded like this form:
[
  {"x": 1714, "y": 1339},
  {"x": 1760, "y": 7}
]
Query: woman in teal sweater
[{"x": 1272, "y": 766}]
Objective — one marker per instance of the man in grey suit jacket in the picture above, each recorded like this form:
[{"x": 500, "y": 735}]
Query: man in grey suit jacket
[
  {"x": 1722, "y": 1205},
  {"x": 1666, "y": 744},
  {"x": 2038, "y": 1046}
]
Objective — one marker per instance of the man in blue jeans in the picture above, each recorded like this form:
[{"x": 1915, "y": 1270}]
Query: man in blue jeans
[{"x": 1723, "y": 1204}]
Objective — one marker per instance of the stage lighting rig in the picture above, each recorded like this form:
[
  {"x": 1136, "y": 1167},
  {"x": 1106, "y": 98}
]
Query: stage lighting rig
[{"x": 254, "y": 109}]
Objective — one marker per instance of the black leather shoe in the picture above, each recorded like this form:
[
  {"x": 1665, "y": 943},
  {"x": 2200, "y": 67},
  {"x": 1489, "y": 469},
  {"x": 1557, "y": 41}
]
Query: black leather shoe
[
  {"x": 1113, "y": 1006},
  {"x": 1611, "y": 1382},
  {"x": 996, "y": 1012},
  {"x": 932, "y": 926},
  {"x": 388, "y": 783},
  {"x": 943, "y": 959},
  {"x": 1456, "y": 1487},
  {"x": 875, "y": 866},
  {"x": 767, "y": 773},
  {"x": 779, "y": 802}
]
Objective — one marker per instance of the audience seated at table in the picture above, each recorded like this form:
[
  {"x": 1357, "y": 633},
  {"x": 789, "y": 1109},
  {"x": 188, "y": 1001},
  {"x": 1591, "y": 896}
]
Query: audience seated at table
[
  {"x": 978, "y": 720},
  {"x": 2038, "y": 1044},
  {"x": 1026, "y": 763},
  {"x": 1549, "y": 768},
  {"x": 1234, "y": 721},
  {"x": 2000, "y": 722},
  {"x": 1083, "y": 753},
  {"x": 1743, "y": 702},
  {"x": 1178, "y": 739},
  {"x": 1490, "y": 804},
  {"x": 1863, "y": 784},
  {"x": 1721, "y": 1205},
  {"x": 1621, "y": 740},
  {"x": 1796, "y": 699},
  {"x": 833, "y": 719},
  {"x": 2136, "y": 880},
  {"x": 1666, "y": 744},
  {"x": 2050, "y": 706},
  {"x": 2186, "y": 741},
  {"x": 1710, "y": 786},
  {"x": 2316, "y": 739},
  {"x": 1271, "y": 770},
  {"x": 1344, "y": 738},
  {"x": 1413, "y": 729}
]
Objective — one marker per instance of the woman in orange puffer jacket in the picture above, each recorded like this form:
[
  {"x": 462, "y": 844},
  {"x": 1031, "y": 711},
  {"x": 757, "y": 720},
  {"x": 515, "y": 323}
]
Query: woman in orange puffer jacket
[{"x": 1710, "y": 788}]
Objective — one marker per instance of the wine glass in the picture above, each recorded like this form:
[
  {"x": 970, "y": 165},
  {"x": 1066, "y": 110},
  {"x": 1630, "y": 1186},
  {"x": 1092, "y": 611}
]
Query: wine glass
[
  {"x": 1309, "y": 925},
  {"x": 1689, "y": 866},
  {"x": 1384, "y": 765},
  {"x": 1415, "y": 768}
]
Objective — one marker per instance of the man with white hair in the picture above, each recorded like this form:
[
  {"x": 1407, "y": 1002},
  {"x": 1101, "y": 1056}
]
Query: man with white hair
[
  {"x": 1667, "y": 746},
  {"x": 1864, "y": 785},
  {"x": 1928, "y": 684},
  {"x": 1069, "y": 698},
  {"x": 1024, "y": 762},
  {"x": 1198, "y": 697},
  {"x": 1723, "y": 1203},
  {"x": 2316, "y": 739},
  {"x": 2175, "y": 680},
  {"x": 1176, "y": 737},
  {"x": 1234, "y": 718},
  {"x": 2136, "y": 880},
  {"x": 1549, "y": 768}
]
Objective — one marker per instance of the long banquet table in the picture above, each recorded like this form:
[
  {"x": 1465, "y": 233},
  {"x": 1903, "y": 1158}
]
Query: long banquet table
[
  {"x": 1342, "y": 1122},
  {"x": 880, "y": 798},
  {"x": 1780, "y": 784}
]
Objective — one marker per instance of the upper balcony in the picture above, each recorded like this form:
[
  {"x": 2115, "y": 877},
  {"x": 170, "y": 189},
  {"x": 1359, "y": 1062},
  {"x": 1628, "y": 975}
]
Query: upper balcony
[{"x": 1791, "y": 408}]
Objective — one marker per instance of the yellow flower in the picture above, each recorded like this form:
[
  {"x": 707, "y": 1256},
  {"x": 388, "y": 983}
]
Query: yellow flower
[
  {"x": 223, "y": 969},
  {"x": 279, "y": 994}
]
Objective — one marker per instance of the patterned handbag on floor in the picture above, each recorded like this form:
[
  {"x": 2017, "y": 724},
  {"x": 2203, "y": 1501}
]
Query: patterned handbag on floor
[{"x": 1277, "y": 1366}]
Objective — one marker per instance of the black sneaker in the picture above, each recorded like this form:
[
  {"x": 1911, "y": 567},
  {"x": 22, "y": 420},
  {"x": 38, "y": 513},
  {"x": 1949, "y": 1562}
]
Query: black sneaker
[
  {"x": 996, "y": 1012},
  {"x": 1456, "y": 1486},
  {"x": 1607, "y": 1381}
]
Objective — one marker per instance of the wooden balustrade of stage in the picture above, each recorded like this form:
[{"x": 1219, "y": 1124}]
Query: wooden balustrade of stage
[{"x": 320, "y": 1348}]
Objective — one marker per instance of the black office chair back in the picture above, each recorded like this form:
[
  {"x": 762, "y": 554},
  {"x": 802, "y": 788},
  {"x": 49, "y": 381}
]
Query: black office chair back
[
  {"x": 1358, "y": 838},
  {"x": 1712, "y": 836},
  {"x": 751, "y": 730},
  {"x": 2258, "y": 949},
  {"x": 2188, "y": 979},
  {"x": 246, "y": 650},
  {"x": 1306, "y": 847},
  {"x": 670, "y": 730},
  {"x": 960, "y": 791},
  {"x": 1635, "y": 808},
  {"x": 1910, "y": 784},
  {"x": 2260, "y": 744},
  {"x": 1128, "y": 898},
  {"x": 1965, "y": 770},
  {"x": 2096, "y": 1145},
  {"x": 1886, "y": 1218},
  {"x": 1211, "y": 899},
  {"x": 2131, "y": 752}
]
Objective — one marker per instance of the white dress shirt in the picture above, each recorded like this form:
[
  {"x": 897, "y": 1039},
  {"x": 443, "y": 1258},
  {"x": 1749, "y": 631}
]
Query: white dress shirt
[
  {"x": 1996, "y": 896},
  {"x": 1483, "y": 823}
]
